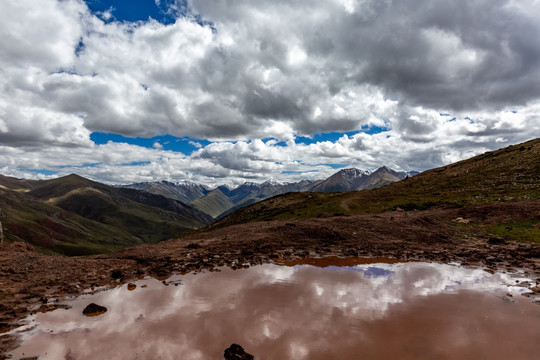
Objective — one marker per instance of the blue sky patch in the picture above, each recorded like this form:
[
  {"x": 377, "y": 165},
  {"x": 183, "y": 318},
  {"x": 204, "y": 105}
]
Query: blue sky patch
[
  {"x": 335, "y": 136},
  {"x": 372, "y": 130},
  {"x": 166, "y": 142},
  {"x": 332, "y": 137},
  {"x": 86, "y": 165},
  {"x": 133, "y": 10},
  {"x": 335, "y": 166},
  {"x": 40, "y": 171},
  {"x": 188, "y": 145},
  {"x": 292, "y": 172},
  {"x": 280, "y": 143},
  {"x": 136, "y": 163}
]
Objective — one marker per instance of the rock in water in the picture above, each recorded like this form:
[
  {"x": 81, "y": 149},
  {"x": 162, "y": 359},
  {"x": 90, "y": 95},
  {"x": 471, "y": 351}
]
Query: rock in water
[
  {"x": 236, "y": 352},
  {"x": 94, "y": 310}
]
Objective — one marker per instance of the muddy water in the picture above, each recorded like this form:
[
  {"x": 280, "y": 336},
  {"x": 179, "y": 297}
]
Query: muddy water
[{"x": 364, "y": 311}]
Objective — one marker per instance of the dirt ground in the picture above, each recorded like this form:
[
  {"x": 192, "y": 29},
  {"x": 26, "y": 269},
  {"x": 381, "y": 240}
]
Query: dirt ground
[{"x": 32, "y": 282}]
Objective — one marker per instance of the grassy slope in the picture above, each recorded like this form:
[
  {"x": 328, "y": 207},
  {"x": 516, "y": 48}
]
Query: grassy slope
[
  {"x": 508, "y": 174},
  {"x": 54, "y": 230},
  {"x": 20, "y": 185},
  {"x": 214, "y": 203},
  {"x": 110, "y": 206},
  {"x": 77, "y": 216}
]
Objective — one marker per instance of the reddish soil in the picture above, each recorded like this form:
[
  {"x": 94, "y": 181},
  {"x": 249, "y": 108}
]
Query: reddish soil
[{"x": 30, "y": 281}]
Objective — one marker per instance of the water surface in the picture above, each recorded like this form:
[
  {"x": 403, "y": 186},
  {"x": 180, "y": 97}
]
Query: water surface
[{"x": 365, "y": 311}]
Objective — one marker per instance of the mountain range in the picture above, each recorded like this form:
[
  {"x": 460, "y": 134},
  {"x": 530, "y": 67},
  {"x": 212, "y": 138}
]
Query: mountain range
[
  {"x": 223, "y": 200},
  {"x": 72, "y": 215},
  {"x": 76, "y": 216}
]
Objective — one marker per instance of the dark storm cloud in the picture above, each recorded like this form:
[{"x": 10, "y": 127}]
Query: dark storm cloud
[{"x": 451, "y": 55}]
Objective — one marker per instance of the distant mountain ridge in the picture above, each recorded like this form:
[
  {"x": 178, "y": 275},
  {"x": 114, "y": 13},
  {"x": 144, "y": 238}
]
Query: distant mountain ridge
[
  {"x": 185, "y": 191},
  {"x": 72, "y": 215},
  {"x": 504, "y": 175},
  {"x": 223, "y": 200}
]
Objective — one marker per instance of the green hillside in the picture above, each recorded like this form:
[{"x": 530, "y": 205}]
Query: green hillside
[
  {"x": 75, "y": 216},
  {"x": 213, "y": 204},
  {"x": 54, "y": 230}
]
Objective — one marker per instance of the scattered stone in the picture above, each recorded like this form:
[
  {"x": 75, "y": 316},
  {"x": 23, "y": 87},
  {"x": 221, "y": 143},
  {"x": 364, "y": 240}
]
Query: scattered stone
[
  {"x": 94, "y": 310},
  {"x": 495, "y": 241},
  {"x": 172, "y": 282},
  {"x": 45, "y": 308},
  {"x": 508, "y": 298},
  {"x": 117, "y": 274},
  {"x": 236, "y": 352},
  {"x": 131, "y": 286},
  {"x": 524, "y": 284},
  {"x": 4, "y": 327},
  {"x": 461, "y": 220}
]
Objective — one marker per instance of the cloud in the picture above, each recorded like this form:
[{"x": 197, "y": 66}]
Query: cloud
[
  {"x": 235, "y": 72},
  {"x": 196, "y": 144}
]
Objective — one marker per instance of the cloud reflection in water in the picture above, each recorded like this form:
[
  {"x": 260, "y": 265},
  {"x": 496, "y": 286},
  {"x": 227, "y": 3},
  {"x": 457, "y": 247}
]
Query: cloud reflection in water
[{"x": 405, "y": 310}]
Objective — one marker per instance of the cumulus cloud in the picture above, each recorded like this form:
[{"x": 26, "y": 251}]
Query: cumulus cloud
[{"x": 235, "y": 72}]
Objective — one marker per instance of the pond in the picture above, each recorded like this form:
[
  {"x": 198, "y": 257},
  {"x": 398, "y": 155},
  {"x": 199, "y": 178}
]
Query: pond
[{"x": 358, "y": 310}]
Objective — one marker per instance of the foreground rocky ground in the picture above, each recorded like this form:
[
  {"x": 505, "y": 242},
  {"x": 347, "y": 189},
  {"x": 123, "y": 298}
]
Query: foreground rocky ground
[{"x": 32, "y": 282}]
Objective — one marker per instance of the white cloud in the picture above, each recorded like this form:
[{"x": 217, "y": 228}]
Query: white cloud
[
  {"x": 267, "y": 69},
  {"x": 196, "y": 144}
]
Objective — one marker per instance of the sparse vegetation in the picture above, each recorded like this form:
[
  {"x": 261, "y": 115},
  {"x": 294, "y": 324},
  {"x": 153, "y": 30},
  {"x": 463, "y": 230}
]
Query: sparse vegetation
[{"x": 523, "y": 231}]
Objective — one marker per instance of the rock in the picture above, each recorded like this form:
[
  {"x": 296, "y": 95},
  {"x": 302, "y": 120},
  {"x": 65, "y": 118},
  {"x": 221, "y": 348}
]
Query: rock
[
  {"x": 131, "y": 286},
  {"x": 236, "y": 352},
  {"x": 495, "y": 241},
  {"x": 117, "y": 274},
  {"x": 45, "y": 308},
  {"x": 94, "y": 310},
  {"x": 4, "y": 327},
  {"x": 461, "y": 220}
]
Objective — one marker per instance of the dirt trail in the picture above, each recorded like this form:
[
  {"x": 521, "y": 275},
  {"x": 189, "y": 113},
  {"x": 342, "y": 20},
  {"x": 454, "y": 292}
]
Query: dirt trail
[{"x": 30, "y": 281}]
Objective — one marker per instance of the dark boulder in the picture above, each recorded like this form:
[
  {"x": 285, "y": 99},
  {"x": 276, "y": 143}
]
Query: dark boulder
[
  {"x": 495, "y": 241},
  {"x": 94, "y": 310},
  {"x": 117, "y": 274},
  {"x": 236, "y": 352}
]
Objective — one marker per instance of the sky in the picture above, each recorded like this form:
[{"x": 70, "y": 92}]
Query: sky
[{"x": 228, "y": 91}]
